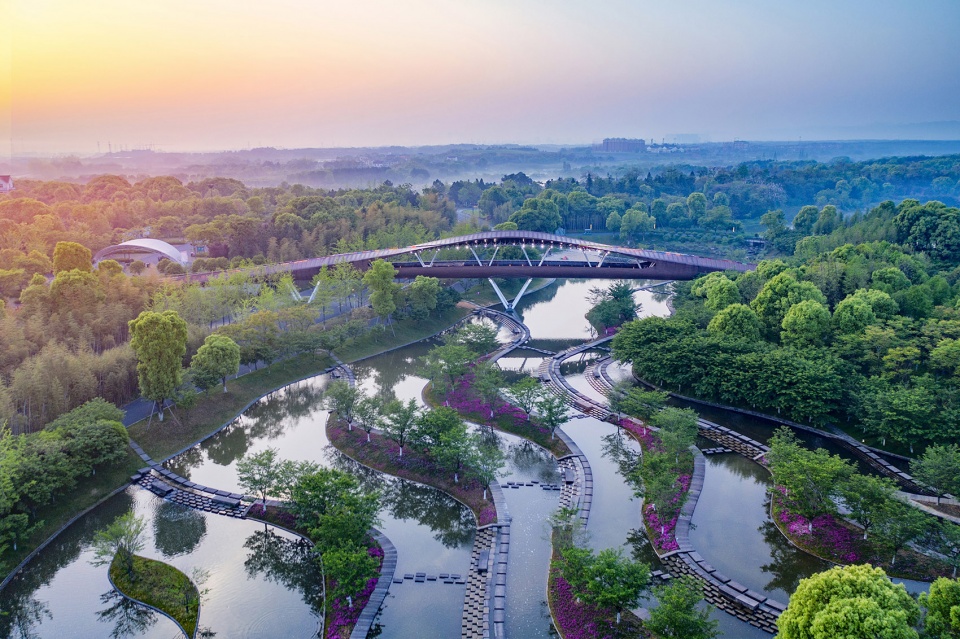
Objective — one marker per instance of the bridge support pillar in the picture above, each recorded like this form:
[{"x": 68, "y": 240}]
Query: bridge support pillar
[
  {"x": 509, "y": 306},
  {"x": 503, "y": 300}
]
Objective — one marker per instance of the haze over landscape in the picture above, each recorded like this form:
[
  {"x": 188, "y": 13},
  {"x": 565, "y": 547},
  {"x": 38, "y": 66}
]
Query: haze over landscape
[
  {"x": 188, "y": 76},
  {"x": 480, "y": 319}
]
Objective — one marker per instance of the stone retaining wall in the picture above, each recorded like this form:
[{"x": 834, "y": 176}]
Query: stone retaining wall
[
  {"x": 387, "y": 570},
  {"x": 745, "y": 604}
]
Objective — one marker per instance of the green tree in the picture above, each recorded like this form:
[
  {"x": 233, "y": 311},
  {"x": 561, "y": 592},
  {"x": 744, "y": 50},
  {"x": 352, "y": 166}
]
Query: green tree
[
  {"x": 488, "y": 460},
  {"x": 432, "y": 425},
  {"x": 677, "y": 614},
  {"x": 853, "y": 315},
  {"x": 488, "y": 381},
  {"x": 259, "y": 473},
  {"x": 349, "y": 569},
  {"x": 942, "y": 605},
  {"x": 635, "y": 401},
  {"x": 479, "y": 337},
  {"x": 537, "y": 214},
  {"x": 525, "y": 394},
  {"x": 779, "y": 294},
  {"x": 334, "y": 508},
  {"x": 939, "y": 468},
  {"x": 867, "y": 497},
  {"x": 807, "y": 323},
  {"x": 697, "y": 205},
  {"x": 365, "y": 413},
  {"x": 160, "y": 342},
  {"x": 678, "y": 429},
  {"x": 855, "y": 602},
  {"x": 122, "y": 539},
  {"x": 422, "y": 296},
  {"x": 455, "y": 449},
  {"x": 379, "y": 279},
  {"x": 606, "y": 580},
  {"x": 399, "y": 421},
  {"x": 68, "y": 256},
  {"x": 736, "y": 320},
  {"x": 445, "y": 365},
  {"x": 109, "y": 268},
  {"x": 805, "y": 219},
  {"x": 552, "y": 412},
  {"x": 900, "y": 525},
  {"x": 324, "y": 291},
  {"x": 341, "y": 398},
  {"x": 217, "y": 359},
  {"x": 811, "y": 477},
  {"x": 613, "y": 222}
]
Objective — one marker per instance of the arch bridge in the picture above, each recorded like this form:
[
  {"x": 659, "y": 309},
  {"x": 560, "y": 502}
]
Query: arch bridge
[{"x": 515, "y": 254}]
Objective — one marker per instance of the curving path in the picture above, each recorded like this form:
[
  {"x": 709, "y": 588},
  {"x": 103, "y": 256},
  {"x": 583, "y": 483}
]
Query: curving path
[{"x": 728, "y": 595}]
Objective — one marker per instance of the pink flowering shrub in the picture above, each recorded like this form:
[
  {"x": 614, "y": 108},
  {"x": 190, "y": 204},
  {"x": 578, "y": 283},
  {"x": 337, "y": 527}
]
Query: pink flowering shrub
[
  {"x": 647, "y": 438},
  {"x": 342, "y": 617},
  {"x": 578, "y": 620},
  {"x": 662, "y": 532},
  {"x": 828, "y": 536}
]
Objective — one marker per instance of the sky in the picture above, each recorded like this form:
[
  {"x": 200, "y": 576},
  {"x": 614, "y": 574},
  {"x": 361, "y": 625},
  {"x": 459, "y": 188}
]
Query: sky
[{"x": 189, "y": 75}]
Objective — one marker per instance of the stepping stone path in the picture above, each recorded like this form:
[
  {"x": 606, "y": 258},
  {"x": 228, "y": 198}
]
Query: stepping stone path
[
  {"x": 475, "y": 622},
  {"x": 226, "y": 504}
]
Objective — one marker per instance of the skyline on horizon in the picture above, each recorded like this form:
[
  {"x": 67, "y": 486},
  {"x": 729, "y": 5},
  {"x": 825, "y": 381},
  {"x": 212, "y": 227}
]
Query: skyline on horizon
[{"x": 230, "y": 76}]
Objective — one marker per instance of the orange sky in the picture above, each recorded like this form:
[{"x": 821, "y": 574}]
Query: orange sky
[{"x": 216, "y": 74}]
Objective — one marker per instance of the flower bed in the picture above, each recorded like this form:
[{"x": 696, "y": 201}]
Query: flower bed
[
  {"x": 381, "y": 454},
  {"x": 842, "y": 543},
  {"x": 577, "y": 620},
  {"x": 660, "y": 533},
  {"x": 506, "y": 417},
  {"x": 342, "y": 617}
]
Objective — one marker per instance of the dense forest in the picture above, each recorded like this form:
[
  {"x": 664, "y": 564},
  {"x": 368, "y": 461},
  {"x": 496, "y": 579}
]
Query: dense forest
[
  {"x": 64, "y": 340},
  {"x": 858, "y": 329}
]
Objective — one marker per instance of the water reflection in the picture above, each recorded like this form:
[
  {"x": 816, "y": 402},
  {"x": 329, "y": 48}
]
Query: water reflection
[
  {"x": 22, "y": 614},
  {"x": 129, "y": 619},
  {"x": 452, "y": 524},
  {"x": 290, "y": 562},
  {"x": 616, "y": 449},
  {"x": 786, "y": 566},
  {"x": 177, "y": 530}
]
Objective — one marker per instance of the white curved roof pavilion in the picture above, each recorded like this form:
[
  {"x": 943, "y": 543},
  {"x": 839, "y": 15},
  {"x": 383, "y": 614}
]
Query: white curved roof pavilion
[{"x": 142, "y": 245}]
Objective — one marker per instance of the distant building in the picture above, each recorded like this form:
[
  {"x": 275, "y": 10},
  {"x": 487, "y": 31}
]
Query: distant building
[
  {"x": 623, "y": 145},
  {"x": 6, "y": 183}
]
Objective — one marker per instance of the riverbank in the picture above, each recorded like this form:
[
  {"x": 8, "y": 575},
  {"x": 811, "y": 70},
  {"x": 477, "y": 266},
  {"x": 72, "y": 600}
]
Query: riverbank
[
  {"x": 214, "y": 410},
  {"x": 88, "y": 493},
  {"x": 841, "y": 542},
  {"x": 507, "y": 418}
]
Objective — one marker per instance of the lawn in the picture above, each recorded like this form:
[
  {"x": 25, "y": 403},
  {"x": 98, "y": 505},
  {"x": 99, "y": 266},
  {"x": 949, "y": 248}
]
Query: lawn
[{"x": 398, "y": 334}]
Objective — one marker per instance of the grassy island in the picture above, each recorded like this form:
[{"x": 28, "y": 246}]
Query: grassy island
[{"x": 161, "y": 586}]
